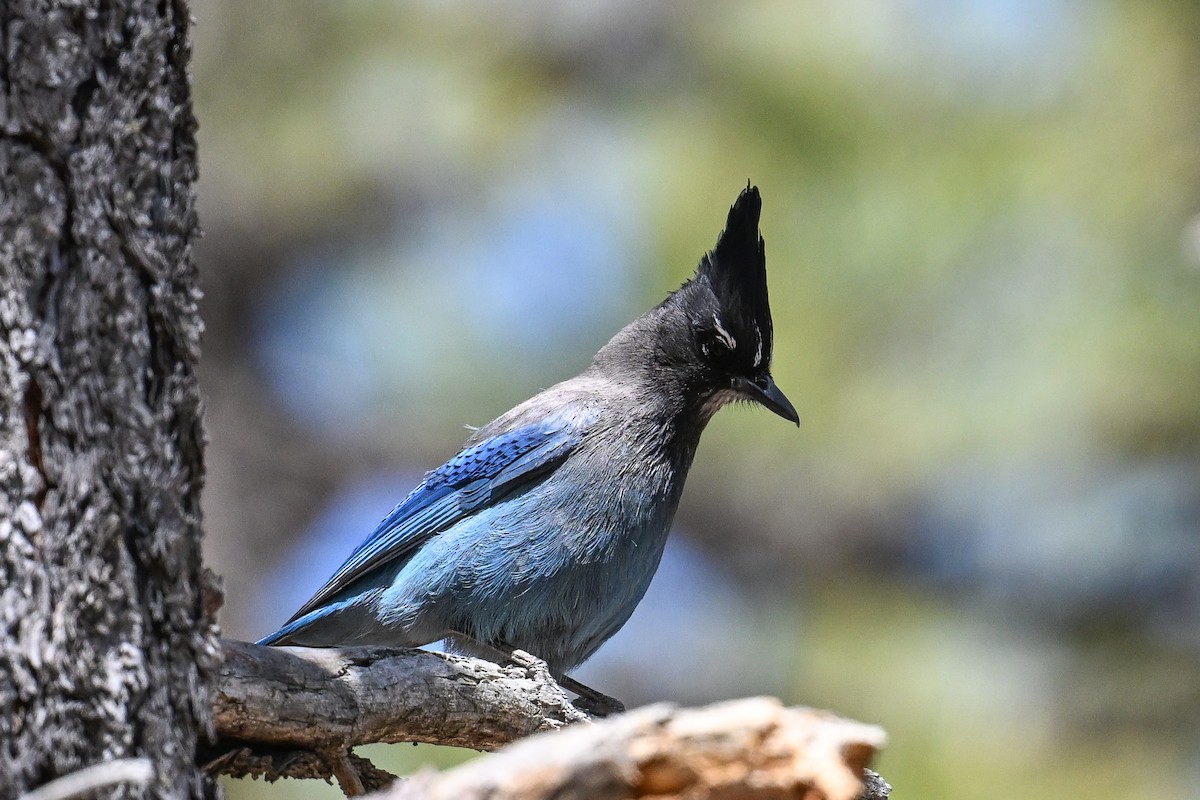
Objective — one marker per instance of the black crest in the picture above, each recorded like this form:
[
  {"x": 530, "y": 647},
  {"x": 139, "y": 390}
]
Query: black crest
[{"x": 727, "y": 301}]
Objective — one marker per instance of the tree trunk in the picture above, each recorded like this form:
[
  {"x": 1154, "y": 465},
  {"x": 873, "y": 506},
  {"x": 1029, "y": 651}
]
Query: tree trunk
[{"x": 107, "y": 641}]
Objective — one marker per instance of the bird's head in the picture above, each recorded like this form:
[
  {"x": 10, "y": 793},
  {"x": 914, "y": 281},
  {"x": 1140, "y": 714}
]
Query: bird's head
[{"x": 720, "y": 331}]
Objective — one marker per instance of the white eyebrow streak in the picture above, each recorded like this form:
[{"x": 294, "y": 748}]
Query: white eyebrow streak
[
  {"x": 724, "y": 335},
  {"x": 758, "y": 352}
]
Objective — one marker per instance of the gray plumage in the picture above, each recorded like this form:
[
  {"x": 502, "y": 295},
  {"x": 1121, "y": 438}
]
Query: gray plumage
[{"x": 545, "y": 531}]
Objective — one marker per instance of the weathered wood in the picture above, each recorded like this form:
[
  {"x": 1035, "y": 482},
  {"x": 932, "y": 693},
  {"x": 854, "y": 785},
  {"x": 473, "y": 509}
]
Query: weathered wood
[
  {"x": 295, "y": 712},
  {"x": 748, "y": 749},
  {"x": 106, "y": 648},
  {"x": 325, "y": 700}
]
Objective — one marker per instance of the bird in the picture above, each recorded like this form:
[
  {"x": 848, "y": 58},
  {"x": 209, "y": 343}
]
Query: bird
[{"x": 540, "y": 537}]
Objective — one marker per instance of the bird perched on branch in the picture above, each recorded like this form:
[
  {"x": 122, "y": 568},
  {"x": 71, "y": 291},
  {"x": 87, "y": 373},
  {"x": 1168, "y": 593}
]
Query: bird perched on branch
[{"x": 542, "y": 534}]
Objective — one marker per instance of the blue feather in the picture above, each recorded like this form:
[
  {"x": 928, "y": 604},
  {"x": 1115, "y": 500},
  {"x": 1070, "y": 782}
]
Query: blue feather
[{"x": 477, "y": 476}]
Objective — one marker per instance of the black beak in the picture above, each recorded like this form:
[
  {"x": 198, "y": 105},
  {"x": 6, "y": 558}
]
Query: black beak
[{"x": 763, "y": 390}]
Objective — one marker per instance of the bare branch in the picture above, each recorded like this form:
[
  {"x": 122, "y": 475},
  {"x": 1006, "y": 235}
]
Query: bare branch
[
  {"x": 276, "y": 706},
  {"x": 752, "y": 748},
  {"x": 296, "y": 712}
]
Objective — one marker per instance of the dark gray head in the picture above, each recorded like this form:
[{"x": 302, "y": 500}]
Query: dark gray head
[{"x": 719, "y": 330}]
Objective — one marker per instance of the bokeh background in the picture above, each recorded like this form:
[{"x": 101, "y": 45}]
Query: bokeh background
[{"x": 983, "y": 229}]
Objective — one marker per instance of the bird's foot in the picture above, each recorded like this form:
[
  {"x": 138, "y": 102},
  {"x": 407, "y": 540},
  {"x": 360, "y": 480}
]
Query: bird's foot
[
  {"x": 528, "y": 662},
  {"x": 589, "y": 701}
]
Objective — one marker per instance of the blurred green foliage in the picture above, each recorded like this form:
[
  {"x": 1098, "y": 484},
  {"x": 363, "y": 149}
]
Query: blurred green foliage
[{"x": 983, "y": 237}]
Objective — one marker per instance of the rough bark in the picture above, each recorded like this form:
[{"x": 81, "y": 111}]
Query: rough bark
[{"x": 107, "y": 645}]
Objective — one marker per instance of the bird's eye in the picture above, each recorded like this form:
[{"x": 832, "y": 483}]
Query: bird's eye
[{"x": 713, "y": 344}]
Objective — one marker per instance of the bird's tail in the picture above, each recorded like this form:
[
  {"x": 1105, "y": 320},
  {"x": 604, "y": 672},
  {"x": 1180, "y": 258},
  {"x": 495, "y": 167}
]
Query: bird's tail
[{"x": 328, "y": 626}]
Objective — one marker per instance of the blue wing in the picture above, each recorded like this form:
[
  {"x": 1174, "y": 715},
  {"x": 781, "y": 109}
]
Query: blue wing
[{"x": 476, "y": 477}]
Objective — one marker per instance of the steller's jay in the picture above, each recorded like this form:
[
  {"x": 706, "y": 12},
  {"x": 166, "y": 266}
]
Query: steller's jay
[{"x": 543, "y": 533}]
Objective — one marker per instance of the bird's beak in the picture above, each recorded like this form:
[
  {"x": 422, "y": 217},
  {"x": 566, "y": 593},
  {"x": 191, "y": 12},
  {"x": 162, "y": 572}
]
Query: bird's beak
[{"x": 763, "y": 390}]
